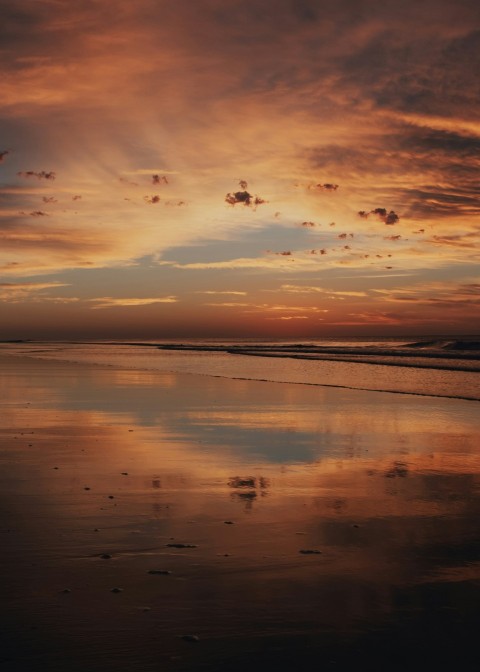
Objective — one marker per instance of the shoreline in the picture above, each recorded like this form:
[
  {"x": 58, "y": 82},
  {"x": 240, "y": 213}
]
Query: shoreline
[{"x": 233, "y": 376}]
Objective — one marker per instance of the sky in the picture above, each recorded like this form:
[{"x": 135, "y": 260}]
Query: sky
[{"x": 227, "y": 168}]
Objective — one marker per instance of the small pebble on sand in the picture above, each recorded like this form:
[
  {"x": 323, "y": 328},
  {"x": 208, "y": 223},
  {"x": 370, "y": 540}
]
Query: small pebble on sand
[
  {"x": 181, "y": 545},
  {"x": 105, "y": 556},
  {"x": 116, "y": 590},
  {"x": 309, "y": 551}
]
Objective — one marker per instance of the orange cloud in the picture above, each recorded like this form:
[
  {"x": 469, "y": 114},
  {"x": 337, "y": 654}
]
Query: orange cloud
[{"x": 111, "y": 302}]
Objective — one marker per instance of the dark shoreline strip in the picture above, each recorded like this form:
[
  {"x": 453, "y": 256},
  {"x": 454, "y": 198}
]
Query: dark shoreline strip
[
  {"x": 357, "y": 361},
  {"x": 285, "y": 351}
]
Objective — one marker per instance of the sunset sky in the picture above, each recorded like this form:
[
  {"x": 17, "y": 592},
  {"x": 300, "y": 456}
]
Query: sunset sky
[{"x": 290, "y": 168}]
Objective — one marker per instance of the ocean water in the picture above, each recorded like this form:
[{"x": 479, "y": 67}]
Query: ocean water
[{"x": 441, "y": 366}]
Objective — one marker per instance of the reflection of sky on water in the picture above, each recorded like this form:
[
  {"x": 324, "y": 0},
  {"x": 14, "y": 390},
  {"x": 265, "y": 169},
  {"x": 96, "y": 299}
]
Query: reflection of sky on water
[
  {"x": 271, "y": 422},
  {"x": 384, "y": 486}
]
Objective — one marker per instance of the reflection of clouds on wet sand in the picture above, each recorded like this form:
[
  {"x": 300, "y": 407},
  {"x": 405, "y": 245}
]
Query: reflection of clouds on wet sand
[{"x": 370, "y": 507}]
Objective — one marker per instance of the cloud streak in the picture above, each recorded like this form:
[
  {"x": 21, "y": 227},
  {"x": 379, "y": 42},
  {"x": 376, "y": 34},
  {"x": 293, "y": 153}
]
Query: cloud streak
[{"x": 116, "y": 302}]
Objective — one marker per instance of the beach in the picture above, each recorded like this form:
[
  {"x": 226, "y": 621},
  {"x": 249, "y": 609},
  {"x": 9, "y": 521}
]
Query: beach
[{"x": 157, "y": 520}]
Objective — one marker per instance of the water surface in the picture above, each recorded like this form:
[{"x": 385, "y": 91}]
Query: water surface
[{"x": 381, "y": 490}]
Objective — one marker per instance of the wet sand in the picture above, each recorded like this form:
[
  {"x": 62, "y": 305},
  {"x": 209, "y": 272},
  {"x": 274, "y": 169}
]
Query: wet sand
[{"x": 246, "y": 525}]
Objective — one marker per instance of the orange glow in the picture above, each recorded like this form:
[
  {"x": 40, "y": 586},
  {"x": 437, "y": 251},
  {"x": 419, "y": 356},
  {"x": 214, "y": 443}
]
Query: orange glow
[{"x": 317, "y": 118}]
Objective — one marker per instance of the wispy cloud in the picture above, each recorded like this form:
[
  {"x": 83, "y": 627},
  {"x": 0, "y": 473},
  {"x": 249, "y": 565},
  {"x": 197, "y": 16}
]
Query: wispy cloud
[
  {"x": 221, "y": 292},
  {"x": 115, "y": 302},
  {"x": 436, "y": 294},
  {"x": 15, "y": 292},
  {"x": 305, "y": 289}
]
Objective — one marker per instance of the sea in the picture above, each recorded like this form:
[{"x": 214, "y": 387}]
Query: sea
[{"x": 440, "y": 366}]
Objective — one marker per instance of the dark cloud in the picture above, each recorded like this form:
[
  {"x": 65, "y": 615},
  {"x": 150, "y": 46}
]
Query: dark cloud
[
  {"x": 409, "y": 148},
  {"x": 382, "y": 214},
  {"x": 18, "y": 20},
  {"x": 456, "y": 296},
  {"x": 239, "y": 197},
  {"x": 468, "y": 240},
  {"x": 327, "y": 186},
  {"x": 448, "y": 156},
  {"x": 472, "y": 288},
  {"x": 33, "y": 31},
  {"x": 427, "y": 141},
  {"x": 415, "y": 68},
  {"x": 259, "y": 201},
  {"x": 432, "y": 201},
  {"x": 244, "y": 197},
  {"x": 42, "y": 175},
  {"x": 159, "y": 179},
  {"x": 391, "y": 218}
]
